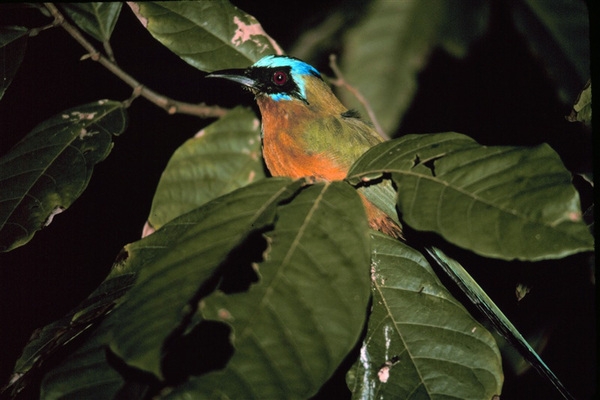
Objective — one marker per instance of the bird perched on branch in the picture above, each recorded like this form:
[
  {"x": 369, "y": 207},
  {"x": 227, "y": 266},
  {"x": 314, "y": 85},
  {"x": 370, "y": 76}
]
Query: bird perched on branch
[{"x": 306, "y": 130}]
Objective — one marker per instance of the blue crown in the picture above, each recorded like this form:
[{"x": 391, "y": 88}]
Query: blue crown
[{"x": 298, "y": 67}]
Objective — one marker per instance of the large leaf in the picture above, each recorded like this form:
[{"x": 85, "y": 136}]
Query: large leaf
[
  {"x": 46, "y": 171},
  {"x": 159, "y": 301},
  {"x": 558, "y": 33},
  {"x": 13, "y": 41},
  {"x": 97, "y": 19},
  {"x": 463, "y": 22},
  {"x": 421, "y": 342},
  {"x": 391, "y": 43},
  {"x": 209, "y": 35},
  {"x": 86, "y": 374},
  {"x": 294, "y": 326},
  {"x": 121, "y": 278},
  {"x": 504, "y": 202},
  {"x": 59, "y": 335},
  {"x": 220, "y": 158}
]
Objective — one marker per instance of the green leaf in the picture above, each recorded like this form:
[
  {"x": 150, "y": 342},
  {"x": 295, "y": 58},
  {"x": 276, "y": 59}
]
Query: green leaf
[
  {"x": 421, "y": 342},
  {"x": 224, "y": 156},
  {"x": 502, "y": 324},
  {"x": 582, "y": 109},
  {"x": 560, "y": 42},
  {"x": 503, "y": 202},
  {"x": 121, "y": 278},
  {"x": 97, "y": 19},
  {"x": 464, "y": 21},
  {"x": 62, "y": 336},
  {"x": 209, "y": 35},
  {"x": 59, "y": 335},
  {"x": 294, "y": 326},
  {"x": 13, "y": 41},
  {"x": 46, "y": 171},
  {"x": 385, "y": 51},
  {"x": 85, "y": 374},
  {"x": 159, "y": 301}
]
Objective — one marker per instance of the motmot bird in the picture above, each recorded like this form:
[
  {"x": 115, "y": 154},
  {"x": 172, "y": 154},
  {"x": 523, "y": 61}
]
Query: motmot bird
[{"x": 306, "y": 130}]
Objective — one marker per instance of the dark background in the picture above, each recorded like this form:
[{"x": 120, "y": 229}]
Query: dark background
[{"x": 499, "y": 94}]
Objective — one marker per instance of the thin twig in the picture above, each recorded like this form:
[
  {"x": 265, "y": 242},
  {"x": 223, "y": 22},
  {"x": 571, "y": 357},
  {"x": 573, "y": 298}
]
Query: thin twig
[
  {"x": 36, "y": 31},
  {"x": 166, "y": 103},
  {"x": 109, "y": 51},
  {"x": 341, "y": 81}
]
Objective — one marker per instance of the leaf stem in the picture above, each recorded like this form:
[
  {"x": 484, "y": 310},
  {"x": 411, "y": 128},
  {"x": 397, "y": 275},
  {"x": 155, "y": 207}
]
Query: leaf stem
[{"x": 166, "y": 103}]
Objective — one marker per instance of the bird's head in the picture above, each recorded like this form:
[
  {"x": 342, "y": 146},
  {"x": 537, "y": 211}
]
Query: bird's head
[{"x": 278, "y": 77}]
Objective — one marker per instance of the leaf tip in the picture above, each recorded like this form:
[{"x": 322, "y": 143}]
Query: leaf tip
[
  {"x": 148, "y": 229},
  {"x": 135, "y": 7}
]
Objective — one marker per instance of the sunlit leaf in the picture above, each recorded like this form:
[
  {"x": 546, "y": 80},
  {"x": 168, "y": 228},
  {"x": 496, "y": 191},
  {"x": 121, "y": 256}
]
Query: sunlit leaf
[
  {"x": 209, "y": 35},
  {"x": 97, "y": 19},
  {"x": 421, "y": 342},
  {"x": 294, "y": 326},
  {"x": 161, "y": 298},
  {"x": 222, "y": 157},
  {"x": 13, "y": 41},
  {"x": 504, "y": 202},
  {"x": 46, "y": 171}
]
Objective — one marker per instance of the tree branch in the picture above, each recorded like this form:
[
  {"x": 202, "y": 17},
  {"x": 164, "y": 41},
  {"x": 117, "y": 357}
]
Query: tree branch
[{"x": 166, "y": 103}]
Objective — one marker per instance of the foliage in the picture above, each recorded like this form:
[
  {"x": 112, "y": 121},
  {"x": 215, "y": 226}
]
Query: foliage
[{"x": 247, "y": 286}]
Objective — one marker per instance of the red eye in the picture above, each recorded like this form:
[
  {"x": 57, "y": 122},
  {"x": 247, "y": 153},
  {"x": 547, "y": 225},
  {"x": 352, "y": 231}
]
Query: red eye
[{"x": 280, "y": 78}]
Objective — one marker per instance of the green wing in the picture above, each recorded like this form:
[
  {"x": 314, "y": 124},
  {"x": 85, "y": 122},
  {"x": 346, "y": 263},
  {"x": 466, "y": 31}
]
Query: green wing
[{"x": 344, "y": 138}]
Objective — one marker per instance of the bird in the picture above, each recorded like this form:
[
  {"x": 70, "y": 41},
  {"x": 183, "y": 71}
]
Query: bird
[{"x": 307, "y": 131}]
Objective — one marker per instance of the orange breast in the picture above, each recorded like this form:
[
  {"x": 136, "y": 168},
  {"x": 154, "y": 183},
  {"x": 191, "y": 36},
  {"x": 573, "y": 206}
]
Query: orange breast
[{"x": 284, "y": 149}]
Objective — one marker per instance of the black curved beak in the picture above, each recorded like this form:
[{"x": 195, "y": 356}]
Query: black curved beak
[{"x": 235, "y": 75}]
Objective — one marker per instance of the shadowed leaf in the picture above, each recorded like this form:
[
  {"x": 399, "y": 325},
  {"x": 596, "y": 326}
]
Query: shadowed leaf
[
  {"x": 46, "y": 171},
  {"x": 13, "y": 41},
  {"x": 85, "y": 374},
  {"x": 160, "y": 300},
  {"x": 83, "y": 363},
  {"x": 390, "y": 45},
  {"x": 97, "y": 19},
  {"x": 558, "y": 34}
]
